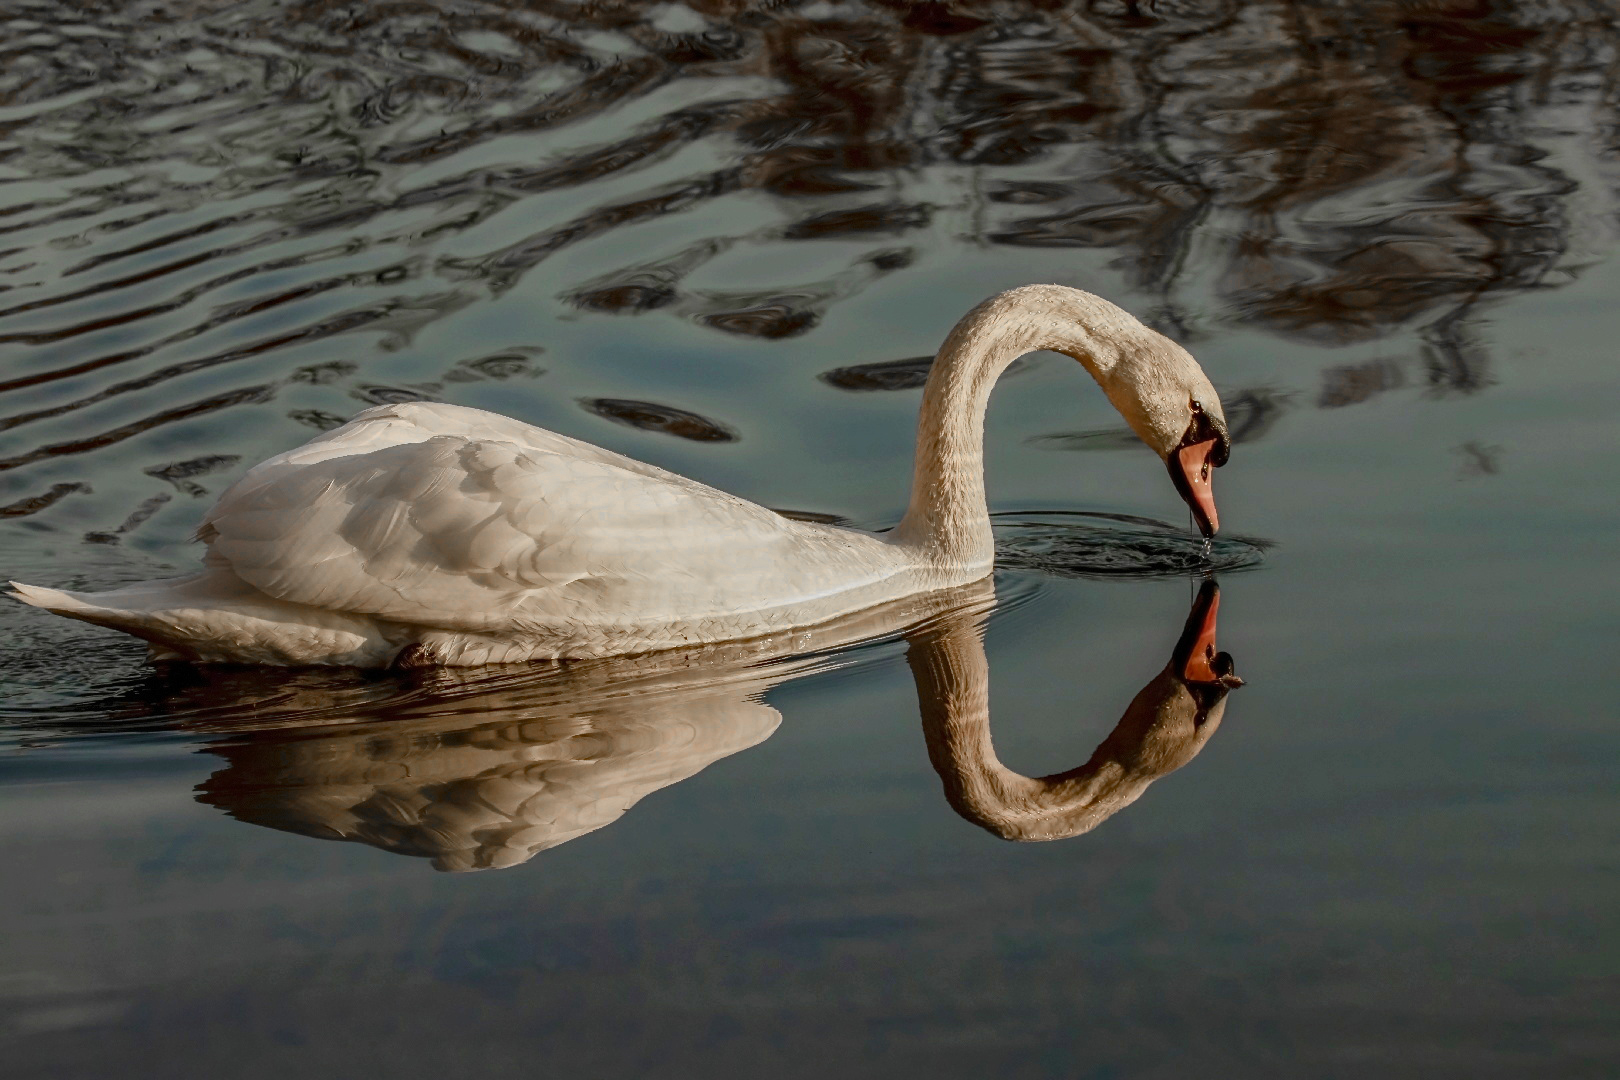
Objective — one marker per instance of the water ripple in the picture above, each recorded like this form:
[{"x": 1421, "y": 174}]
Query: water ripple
[{"x": 1082, "y": 544}]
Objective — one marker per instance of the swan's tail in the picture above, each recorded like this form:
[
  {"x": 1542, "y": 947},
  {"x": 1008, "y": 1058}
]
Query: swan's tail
[
  {"x": 216, "y": 616},
  {"x": 73, "y": 605},
  {"x": 144, "y": 610}
]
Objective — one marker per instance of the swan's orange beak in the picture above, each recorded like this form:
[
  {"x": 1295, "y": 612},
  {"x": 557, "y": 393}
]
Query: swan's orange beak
[{"x": 1193, "y": 473}]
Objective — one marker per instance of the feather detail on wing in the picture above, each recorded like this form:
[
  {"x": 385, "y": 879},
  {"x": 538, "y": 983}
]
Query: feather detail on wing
[{"x": 442, "y": 516}]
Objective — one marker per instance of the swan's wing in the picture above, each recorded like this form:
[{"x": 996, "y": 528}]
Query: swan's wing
[{"x": 468, "y": 532}]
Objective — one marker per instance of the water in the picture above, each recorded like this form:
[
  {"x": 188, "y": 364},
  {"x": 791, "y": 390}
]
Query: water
[{"x": 718, "y": 238}]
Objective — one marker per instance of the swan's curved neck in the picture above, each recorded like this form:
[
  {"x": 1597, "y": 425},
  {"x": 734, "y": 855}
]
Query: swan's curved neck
[{"x": 948, "y": 518}]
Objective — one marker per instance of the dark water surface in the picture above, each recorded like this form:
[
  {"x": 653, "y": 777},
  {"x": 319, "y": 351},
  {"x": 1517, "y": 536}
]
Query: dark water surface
[{"x": 719, "y": 237}]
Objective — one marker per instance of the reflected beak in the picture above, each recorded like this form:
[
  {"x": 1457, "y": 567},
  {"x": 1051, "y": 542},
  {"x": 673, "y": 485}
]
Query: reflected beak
[
  {"x": 1192, "y": 471},
  {"x": 1195, "y": 657}
]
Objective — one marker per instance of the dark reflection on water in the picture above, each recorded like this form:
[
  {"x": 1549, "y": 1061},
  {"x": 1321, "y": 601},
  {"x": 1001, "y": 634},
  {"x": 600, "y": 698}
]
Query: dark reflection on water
[
  {"x": 650, "y": 416},
  {"x": 34, "y": 504},
  {"x": 908, "y": 374},
  {"x": 178, "y": 172}
]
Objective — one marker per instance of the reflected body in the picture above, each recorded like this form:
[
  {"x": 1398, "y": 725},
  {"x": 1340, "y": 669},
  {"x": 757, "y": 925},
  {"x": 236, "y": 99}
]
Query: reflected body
[
  {"x": 429, "y": 534},
  {"x": 485, "y": 770}
]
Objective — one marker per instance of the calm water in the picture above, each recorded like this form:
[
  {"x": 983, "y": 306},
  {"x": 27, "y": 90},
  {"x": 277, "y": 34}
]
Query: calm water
[{"x": 719, "y": 238}]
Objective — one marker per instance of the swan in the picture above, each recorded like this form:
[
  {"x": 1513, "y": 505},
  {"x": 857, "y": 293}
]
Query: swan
[{"x": 423, "y": 534}]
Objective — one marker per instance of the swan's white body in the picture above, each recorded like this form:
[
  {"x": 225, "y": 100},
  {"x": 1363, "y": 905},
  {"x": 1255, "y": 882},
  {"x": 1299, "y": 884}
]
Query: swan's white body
[
  {"x": 483, "y": 539},
  {"x": 441, "y": 534}
]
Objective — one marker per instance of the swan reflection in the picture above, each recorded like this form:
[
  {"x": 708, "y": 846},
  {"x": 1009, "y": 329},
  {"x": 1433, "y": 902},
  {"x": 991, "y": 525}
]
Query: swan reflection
[
  {"x": 490, "y": 788},
  {"x": 1164, "y": 727},
  {"x": 480, "y": 769}
]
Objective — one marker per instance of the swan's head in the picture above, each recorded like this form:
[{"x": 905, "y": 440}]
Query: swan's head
[
  {"x": 1168, "y": 401},
  {"x": 1154, "y": 383}
]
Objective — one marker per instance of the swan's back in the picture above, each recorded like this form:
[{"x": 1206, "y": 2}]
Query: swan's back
[
  {"x": 416, "y": 421},
  {"x": 457, "y": 520}
]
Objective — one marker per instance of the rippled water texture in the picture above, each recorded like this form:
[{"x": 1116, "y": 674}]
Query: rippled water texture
[{"x": 726, "y": 238}]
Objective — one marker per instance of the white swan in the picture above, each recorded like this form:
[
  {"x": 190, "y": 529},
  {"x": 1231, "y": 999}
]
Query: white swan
[{"x": 436, "y": 534}]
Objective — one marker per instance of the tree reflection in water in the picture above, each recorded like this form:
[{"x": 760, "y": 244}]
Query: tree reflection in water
[{"x": 1329, "y": 173}]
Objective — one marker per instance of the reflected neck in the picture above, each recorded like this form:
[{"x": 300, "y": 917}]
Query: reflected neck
[
  {"x": 948, "y": 518},
  {"x": 953, "y": 694}
]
